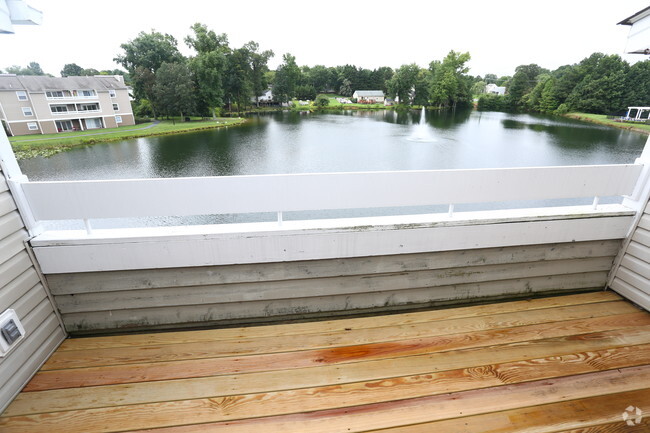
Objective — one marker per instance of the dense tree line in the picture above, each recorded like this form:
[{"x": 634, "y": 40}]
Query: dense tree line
[
  {"x": 217, "y": 76},
  {"x": 601, "y": 84}
]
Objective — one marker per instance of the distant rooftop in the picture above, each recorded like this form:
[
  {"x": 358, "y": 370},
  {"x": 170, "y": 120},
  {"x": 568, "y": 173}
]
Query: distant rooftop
[{"x": 41, "y": 83}]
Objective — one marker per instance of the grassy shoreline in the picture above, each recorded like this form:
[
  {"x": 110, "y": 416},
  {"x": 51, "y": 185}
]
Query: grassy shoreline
[
  {"x": 602, "y": 119},
  {"x": 30, "y": 146}
]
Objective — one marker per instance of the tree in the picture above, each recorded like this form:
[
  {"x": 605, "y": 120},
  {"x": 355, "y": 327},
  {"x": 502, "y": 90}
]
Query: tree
[
  {"x": 402, "y": 83},
  {"x": 32, "y": 69},
  {"x": 287, "y": 77},
  {"x": 421, "y": 87},
  {"x": 258, "y": 68},
  {"x": 346, "y": 88},
  {"x": 637, "y": 83},
  {"x": 490, "y": 79},
  {"x": 450, "y": 85},
  {"x": 144, "y": 55},
  {"x": 478, "y": 88},
  {"x": 238, "y": 82},
  {"x": 173, "y": 89},
  {"x": 71, "y": 70},
  {"x": 208, "y": 67}
]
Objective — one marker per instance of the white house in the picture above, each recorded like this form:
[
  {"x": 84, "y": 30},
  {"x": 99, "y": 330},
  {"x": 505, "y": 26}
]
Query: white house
[
  {"x": 638, "y": 40},
  {"x": 494, "y": 89},
  {"x": 266, "y": 97},
  {"x": 369, "y": 95}
]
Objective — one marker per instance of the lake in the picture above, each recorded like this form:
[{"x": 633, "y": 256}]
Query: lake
[{"x": 289, "y": 142}]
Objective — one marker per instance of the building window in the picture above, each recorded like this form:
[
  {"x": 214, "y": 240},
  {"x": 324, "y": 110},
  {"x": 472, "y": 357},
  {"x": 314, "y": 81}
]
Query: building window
[
  {"x": 27, "y": 111},
  {"x": 116, "y": 107},
  {"x": 32, "y": 126},
  {"x": 22, "y": 95},
  {"x": 59, "y": 108},
  {"x": 113, "y": 93},
  {"x": 88, "y": 107},
  {"x": 118, "y": 119},
  {"x": 54, "y": 94}
]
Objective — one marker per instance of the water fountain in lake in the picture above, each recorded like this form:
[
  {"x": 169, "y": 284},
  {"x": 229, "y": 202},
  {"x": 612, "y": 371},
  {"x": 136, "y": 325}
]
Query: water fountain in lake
[{"x": 422, "y": 132}]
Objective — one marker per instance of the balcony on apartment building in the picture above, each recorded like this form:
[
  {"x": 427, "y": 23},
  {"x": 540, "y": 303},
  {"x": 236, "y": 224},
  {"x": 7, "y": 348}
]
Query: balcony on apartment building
[{"x": 70, "y": 94}]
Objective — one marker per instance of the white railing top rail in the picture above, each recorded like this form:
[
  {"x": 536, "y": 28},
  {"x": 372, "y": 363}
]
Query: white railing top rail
[{"x": 296, "y": 192}]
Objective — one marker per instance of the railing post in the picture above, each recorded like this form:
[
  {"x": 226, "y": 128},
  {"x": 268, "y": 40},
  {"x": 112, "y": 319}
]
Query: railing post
[
  {"x": 280, "y": 218},
  {"x": 15, "y": 177},
  {"x": 451, "y": 210}
]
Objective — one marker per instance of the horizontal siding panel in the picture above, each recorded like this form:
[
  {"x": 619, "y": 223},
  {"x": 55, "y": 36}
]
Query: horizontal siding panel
[
  {"x": 326, "y": 306},
  {"x": 642, "y": 236},
  {"x": 11, "y": 292},
  {"x": 267, "y": 272},
  {"x": 637, "y": 266},
  {"x": 639, "y": 251},
  {"x": 9, "y": 224},
  {"x": 632, "y": 293},
  {"x": 271, "y": 291},
  {"x": 7, "y": 203},
  {"x": 13, "y": 267},
  {"x": 24, "y": 364},
  {"x": 12, "y": 245},
  {"x": 633, "y": 279},
  {"x": 30, "y": 300},
  {"x": 3, "y": 184},
  {"x": 644, "y": 222}
]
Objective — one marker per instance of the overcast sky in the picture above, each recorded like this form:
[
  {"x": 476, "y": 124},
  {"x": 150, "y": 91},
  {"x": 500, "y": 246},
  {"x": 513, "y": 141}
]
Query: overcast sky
[{"x": 499, "y": 34}]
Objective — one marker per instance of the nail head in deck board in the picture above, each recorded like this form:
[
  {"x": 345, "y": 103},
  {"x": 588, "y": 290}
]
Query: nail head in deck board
[
  {"x": 318, "y": 327},
  {"x": 414, "y": 339}
]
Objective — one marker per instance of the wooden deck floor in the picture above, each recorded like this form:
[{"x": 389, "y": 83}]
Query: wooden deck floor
[{"x": 561, "y": 364}]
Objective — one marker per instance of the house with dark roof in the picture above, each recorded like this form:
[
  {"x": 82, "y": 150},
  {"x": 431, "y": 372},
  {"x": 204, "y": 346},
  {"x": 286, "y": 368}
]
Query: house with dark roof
[{"x": 46, "y": 105}]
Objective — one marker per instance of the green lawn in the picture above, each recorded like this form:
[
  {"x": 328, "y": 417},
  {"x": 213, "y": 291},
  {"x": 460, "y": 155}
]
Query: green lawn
[
  {"x": 336, "y": 104},
  {"x": 602, "y": 119},
  {"x": 28, "y": 146}
]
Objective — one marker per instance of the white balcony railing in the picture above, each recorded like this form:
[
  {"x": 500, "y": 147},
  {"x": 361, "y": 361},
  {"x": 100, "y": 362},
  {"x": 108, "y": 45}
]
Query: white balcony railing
[{"x": 304, "y": 192}]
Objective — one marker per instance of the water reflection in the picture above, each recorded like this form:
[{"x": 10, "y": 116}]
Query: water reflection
[{"x": 290, "y": 142}]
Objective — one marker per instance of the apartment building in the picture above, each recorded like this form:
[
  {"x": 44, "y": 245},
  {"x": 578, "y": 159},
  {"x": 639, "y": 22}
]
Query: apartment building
[{"x": 46, "y": 105}]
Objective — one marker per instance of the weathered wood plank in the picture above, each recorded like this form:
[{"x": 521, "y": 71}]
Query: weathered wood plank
[
  {"x": 601, "y": 414},
  {"x": 356, "y": 419},
  {"x": 325, "y": 326},
  {"x": 327, "y": 306},
  {"x": 160, "y": 251},
  {"x": 414, "y": 335},
  {"x": 331, "y": 394},
  {"x": 323, "y": 287},
  {"x": 297, "y": 376},
  {"x": 264, "y": 272}
]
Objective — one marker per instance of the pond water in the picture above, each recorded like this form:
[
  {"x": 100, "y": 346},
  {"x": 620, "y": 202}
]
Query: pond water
[{"x": 287, "y": 142}]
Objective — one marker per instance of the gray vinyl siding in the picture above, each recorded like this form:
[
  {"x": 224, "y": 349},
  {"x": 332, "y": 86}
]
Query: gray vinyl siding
[
  {"x": 171, "y": 298},
  {"x": 632, "y": 278},
  {"x": 21, "y": 289}
]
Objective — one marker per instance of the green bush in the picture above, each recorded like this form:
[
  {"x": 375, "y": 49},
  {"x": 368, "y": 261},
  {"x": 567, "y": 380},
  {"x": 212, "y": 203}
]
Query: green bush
[
  {"x": 322, "y": 101},
  {"x": 491, "y": 102}
]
